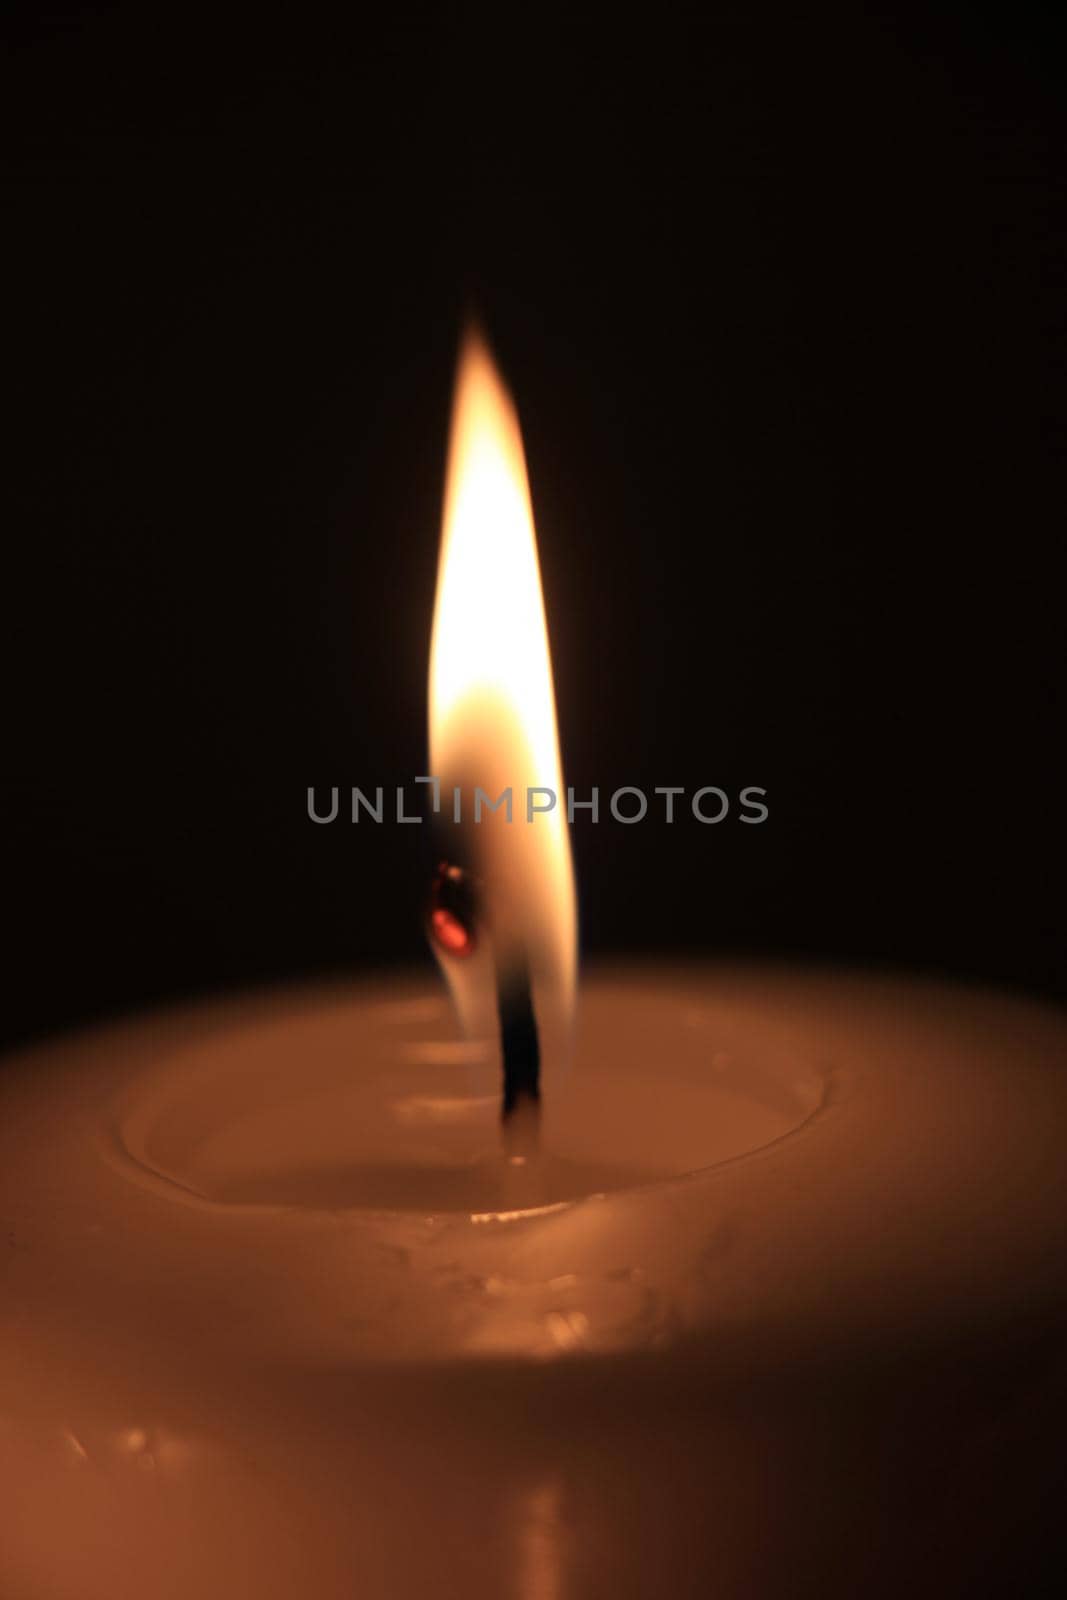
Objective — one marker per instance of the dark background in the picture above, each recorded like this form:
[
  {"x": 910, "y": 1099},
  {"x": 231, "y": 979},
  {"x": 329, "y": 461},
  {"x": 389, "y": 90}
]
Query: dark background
[{"x": 780, "y": 298}]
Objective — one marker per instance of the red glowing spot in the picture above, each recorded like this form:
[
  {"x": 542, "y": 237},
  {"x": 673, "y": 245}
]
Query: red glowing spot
[
  {"x": 453, "y": 917},
  {"x": 450, "y": 933}
]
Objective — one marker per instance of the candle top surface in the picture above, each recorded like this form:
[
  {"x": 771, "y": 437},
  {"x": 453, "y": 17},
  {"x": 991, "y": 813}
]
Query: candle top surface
[{"x": 915, "y": 1178}]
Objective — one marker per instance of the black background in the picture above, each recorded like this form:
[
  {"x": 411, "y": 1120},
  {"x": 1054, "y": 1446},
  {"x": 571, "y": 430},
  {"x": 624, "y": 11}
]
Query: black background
[{"x": 780, "y": 298}]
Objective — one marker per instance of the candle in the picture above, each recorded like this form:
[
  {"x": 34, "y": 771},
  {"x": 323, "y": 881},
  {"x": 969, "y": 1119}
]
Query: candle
[
  {"x": 276, "y": 1320},
  {"x": 285, "y": 1314}
]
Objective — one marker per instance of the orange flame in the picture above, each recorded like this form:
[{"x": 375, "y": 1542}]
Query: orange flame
[{"x": 492, "y": 707}]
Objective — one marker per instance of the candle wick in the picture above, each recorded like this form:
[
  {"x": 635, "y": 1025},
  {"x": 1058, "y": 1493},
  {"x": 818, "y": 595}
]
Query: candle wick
[
  {"x": 519, "y": 1044},
  {"x": 453, "y": 920}
]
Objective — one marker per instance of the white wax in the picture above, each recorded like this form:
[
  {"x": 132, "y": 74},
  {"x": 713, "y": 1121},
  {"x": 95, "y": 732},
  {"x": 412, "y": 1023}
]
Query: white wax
[{"x": 281, "y": 1317}]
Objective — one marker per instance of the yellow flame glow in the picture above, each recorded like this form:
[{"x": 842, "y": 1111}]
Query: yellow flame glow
[{"x": 492, "y": 707}]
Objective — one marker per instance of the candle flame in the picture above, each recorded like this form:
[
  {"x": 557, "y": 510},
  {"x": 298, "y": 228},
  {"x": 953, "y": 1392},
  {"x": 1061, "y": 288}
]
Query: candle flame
[{"x": 492, "y": 707}]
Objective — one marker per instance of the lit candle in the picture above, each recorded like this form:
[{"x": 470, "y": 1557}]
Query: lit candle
[{"x": 285, "y": 1315}]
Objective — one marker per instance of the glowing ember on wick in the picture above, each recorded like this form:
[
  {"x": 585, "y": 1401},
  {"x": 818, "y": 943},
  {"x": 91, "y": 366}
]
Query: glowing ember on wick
[
  {"x": 493, "y": 734},
  {"x": 453, "y": 911}
]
